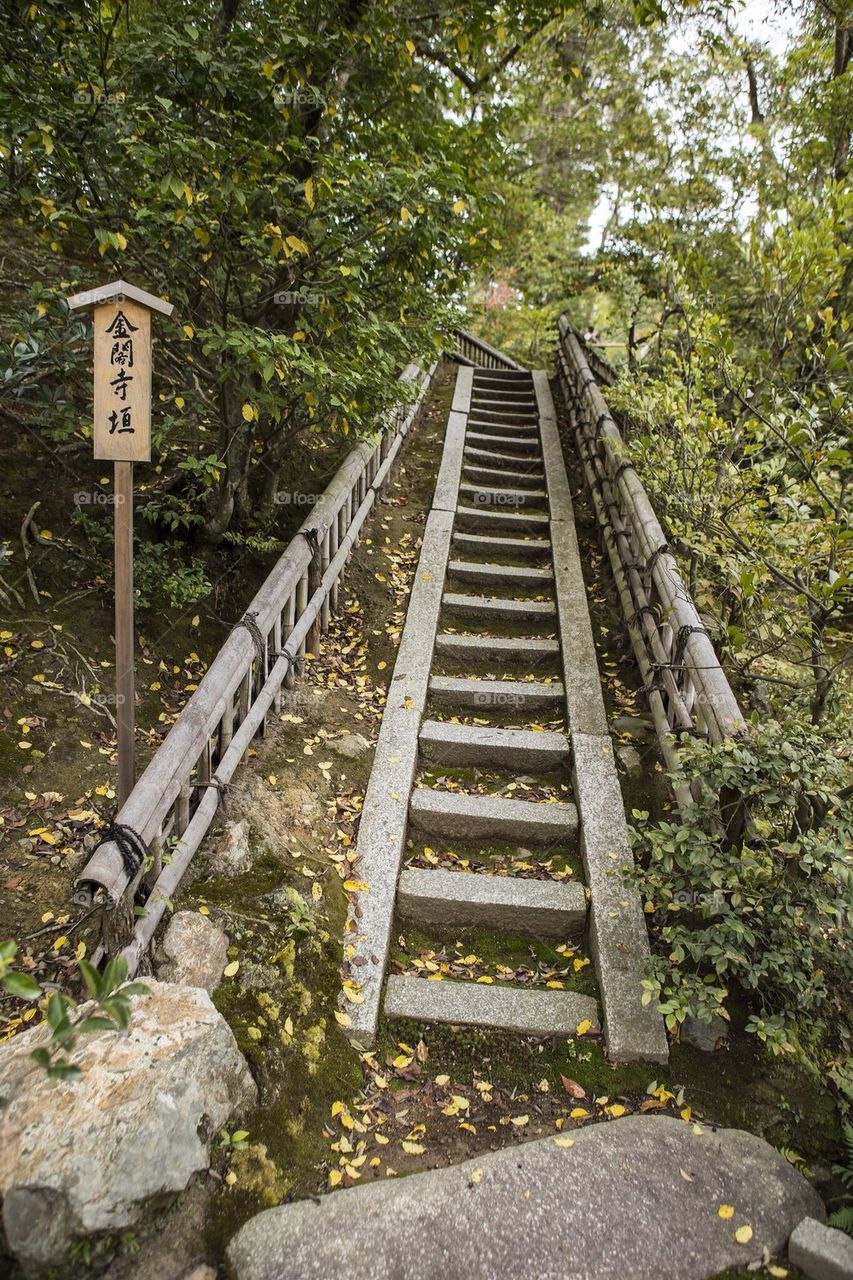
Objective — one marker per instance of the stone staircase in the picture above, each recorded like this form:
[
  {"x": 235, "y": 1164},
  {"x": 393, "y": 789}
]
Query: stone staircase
[{"x": 496, "y": 687}]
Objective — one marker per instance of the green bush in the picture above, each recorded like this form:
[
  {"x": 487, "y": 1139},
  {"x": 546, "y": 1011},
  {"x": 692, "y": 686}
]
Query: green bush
[{"x": 769, "y": 915}]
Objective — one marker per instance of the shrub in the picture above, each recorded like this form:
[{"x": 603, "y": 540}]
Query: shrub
[{"x": 768, "y": 915}]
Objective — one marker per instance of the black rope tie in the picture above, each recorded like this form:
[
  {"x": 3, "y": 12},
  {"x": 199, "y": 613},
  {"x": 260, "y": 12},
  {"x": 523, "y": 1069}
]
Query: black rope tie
[
  {"x": 656, "y": 685},
  {"x": 623, "y": 466},
  {"x": 221, "y": 788},
  {"x": 131, "y": 846},
  {"x": 310, "y": 536},
  {"x": 663, "y": 549},
  {"x": 250, "y": 622},
  {"x": 644, "y": 609},
  {"x": 682, "y": 636}
]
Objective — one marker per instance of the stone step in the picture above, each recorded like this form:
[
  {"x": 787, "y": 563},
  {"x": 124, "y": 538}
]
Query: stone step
[
  {"x": 503, "y": 400},
  {"x": 488, "y": 456},
  {"x": 498, "y": 608},
  {"x": 528, "y": 420},
  {"x": 533, "y": 479},
  {"x": 486, "y": 496},
  {"x": 496, "y": 695},
  {"x": 476, "y": 517},
  {"x": 460, "y": 815},
  {"x": 501, "y": 574},
  {"x": 489, "y": 545},
  {"x": 498, "y": 649},
  {"x": 535, "y": 1013},
  {"x": 509, "y": 426},
  {"x": 491, "y": 376},
  {"x": 481, "y": 440},
  {"x": 465, "y": 899},
  {"x": 524, "y": 749}
]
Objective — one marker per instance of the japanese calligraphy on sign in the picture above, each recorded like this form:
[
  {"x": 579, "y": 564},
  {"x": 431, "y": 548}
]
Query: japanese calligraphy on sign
[{"x": 122, "y": 331}]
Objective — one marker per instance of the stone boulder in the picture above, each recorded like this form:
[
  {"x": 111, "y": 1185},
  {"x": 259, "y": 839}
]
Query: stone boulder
[
  {"x": 230, "y": 854},
  {"x": 637, "y": 1197},
  {"x": 351, "y": 746},
  {"x": 193, "y": 953},
  {"x": 86, "y": 1155}
]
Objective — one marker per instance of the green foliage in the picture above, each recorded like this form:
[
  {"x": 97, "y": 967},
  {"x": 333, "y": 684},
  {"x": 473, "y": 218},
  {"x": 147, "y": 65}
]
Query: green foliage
[
  {"x": 310, "y": 192},
  {"x": 768, "y": 916},
  {"x": 166, "y": 571},
  {"x": 842, "y": 1216},
  {"x": 109, "y": 992}
]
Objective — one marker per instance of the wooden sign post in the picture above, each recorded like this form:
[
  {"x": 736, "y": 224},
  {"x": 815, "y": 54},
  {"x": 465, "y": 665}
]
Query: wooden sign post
[{"x": 122, "y": 434}]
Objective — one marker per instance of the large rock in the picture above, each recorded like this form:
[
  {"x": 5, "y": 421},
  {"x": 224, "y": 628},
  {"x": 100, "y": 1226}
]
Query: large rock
[
  {"x": 193, "y": 953},
  {"x": 634, "y": 1198},
  {"x": 85, "y": 1155}
]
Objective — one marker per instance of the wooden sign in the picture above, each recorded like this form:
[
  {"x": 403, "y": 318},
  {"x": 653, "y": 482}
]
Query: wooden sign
[
  {"x": 122, "y": 418},
  {"x": 122, "y": 331}
]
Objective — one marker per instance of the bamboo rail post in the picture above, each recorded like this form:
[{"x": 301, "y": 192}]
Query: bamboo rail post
[
  {"x": 347, "y": 521},
  {"x": 315, "y": 577},
  {"x": 289, "y": 619},
  {"x": 182, "y": 810},
  {"x": 276, "y": 646},
  {"x": 333, "y": 542},
  {"x": 245, "y": 696},
  {"x": 301, "y": 602},
  {"x": 325, "y": 560},
  {"x": 226, "y": 727}
]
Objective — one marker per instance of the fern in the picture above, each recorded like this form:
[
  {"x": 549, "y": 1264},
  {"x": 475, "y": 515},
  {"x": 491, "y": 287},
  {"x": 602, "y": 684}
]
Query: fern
[{"x": 842, "y": 1217}]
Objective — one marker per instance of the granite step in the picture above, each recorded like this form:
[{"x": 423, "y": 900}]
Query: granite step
[
  {"x": 535, "y": 1013},
  {"x": 501, "y": 575},
  {"x": 483, "y": 609},
  {"x": 506, "y": 444},
  {"x": 476, "y": 517},
  {"x": 508, "y": 498},
  {"x": 465, "y": 899},
  {"x": 496, "y": 545},
  {"x": 461, "y": 815},
  {"x": 528, "y": 750},
  {"x": 485, "y": 648},
  {"x": 466, "y": 694},
  {"x": 532, "y": 479}
]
